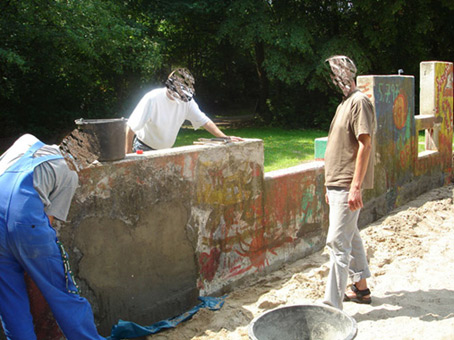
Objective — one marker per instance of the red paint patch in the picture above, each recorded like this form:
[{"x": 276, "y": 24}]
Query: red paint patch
[
  {"x": 400, "y": 110},
  {"x": 257, "y": 249},
  {"x": 209, "y": 264},
  {"x": 45, "y": 325}
]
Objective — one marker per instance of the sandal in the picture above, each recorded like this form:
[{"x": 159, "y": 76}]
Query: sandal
[{"x": 360, "y": 295}]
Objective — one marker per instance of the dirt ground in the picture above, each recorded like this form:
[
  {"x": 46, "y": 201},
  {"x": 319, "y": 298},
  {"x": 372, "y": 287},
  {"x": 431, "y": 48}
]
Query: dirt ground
[{"x": 411, "y": 255}]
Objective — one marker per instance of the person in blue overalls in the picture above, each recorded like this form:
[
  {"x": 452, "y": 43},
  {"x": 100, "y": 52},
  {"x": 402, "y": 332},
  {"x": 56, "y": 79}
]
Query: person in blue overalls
[{"x": 36, "y": 186}]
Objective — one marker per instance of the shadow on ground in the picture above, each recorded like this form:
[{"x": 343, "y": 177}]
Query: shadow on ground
[{"x": 431, "y": 305}]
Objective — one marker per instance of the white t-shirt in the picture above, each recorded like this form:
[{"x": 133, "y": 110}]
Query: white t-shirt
[
  {"x": 53, "y": 180},
  {"x": 157, "y": 119}
]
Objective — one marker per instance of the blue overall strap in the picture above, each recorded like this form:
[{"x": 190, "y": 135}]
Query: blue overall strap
[
  {"x": 23, "y": 164},
  {"x": 17, "y": 181}
]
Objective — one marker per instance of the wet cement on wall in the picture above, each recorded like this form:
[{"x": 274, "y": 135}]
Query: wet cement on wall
[{"x": 128, "y": 243}]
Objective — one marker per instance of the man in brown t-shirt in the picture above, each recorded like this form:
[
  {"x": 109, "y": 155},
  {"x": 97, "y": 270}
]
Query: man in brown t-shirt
[{"x": 349, "y": 166}]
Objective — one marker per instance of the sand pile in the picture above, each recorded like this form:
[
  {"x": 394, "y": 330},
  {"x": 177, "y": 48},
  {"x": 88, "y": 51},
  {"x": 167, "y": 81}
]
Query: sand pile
[{"x": 411, "y": 255}]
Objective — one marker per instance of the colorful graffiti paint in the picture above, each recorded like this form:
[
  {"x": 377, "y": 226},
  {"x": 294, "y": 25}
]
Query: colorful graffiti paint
[
  {"x": 209, "y": 263},
  {"x": 400, "y": 110},
  {"x": 443, "y": 109},
  {"x": 438, "y": 136},
  {"x": 239, "y": 244},
  {"x": 387, "y": 92},
  {"x": 395, "y": 139},
  {"x": 255, "y": 252}
]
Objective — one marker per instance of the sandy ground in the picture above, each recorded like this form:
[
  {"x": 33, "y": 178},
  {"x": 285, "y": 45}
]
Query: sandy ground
[{"x": 411, "y": 255}]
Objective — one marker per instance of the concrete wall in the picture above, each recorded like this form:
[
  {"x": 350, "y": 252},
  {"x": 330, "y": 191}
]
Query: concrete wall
[
  {"x": 401, "y": 172},
  {"x": 148, "y": 234}
]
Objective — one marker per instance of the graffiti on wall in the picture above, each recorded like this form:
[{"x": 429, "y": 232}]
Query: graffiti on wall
[
  {"x": 397, "y": 100},
  {"x": 246, "y": 237},
  {"x": 443, "y": 109},
  {"x": 442, "y": 133},
  {"x": 396, "y": 142},
  {"x": 230, "y": 204},
  {"x": 387, "y": 92},
  {"x": 393, "y": 101},
  {"x": 444, "y": 93},
  {"x": 400, "y": 110},
  {"x": 404, "y": 121}
]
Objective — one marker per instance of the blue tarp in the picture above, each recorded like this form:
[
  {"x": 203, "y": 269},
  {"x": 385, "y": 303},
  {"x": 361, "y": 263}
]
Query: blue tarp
[{"x": 128, "y": 330}]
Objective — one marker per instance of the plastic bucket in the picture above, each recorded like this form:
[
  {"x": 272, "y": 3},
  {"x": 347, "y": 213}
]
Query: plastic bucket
[
  {"x": 303, "y": 322},
  {"x": 110, "y": 134}
]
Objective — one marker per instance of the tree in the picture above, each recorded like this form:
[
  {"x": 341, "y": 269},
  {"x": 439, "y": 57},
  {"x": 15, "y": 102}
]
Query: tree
[{"x": 64, "y": 59}]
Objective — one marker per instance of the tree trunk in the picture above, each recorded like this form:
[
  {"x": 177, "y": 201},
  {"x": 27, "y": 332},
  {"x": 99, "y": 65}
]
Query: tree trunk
[{"x": 262, "y": 109}]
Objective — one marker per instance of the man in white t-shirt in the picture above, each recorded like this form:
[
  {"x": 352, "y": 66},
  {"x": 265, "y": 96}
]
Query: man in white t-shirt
[{"x": 156, "y": 120}]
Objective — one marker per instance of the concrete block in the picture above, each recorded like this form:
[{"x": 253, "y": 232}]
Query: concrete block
[{"x": 320, "y": 148}]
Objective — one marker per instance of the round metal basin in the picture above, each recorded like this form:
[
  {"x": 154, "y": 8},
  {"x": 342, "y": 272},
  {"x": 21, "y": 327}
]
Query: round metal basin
[{"x": 303, "y": 322}]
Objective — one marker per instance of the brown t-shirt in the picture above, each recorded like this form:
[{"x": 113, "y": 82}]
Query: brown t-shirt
[{"x": 354, "y": 116}]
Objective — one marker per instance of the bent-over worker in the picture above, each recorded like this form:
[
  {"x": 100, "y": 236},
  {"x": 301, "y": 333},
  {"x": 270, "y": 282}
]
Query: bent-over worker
[{"x": 37, "y": 187}]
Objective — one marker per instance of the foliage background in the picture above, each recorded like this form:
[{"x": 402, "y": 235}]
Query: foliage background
[{"x": 65, "y": 59}]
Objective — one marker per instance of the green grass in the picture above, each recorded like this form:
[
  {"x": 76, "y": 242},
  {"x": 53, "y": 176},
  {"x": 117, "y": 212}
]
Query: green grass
[
  {"x": 283, "y": 148},
  {"x": 422, "y": 141}
]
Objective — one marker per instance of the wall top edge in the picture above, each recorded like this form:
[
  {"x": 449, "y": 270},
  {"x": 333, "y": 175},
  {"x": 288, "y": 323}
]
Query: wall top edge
[
  {"x": 436, "y": 62},
  {"x": 183, "y": 150},
  {"x": 305, "y": 167},
  {"x": 387, "y": 76}
]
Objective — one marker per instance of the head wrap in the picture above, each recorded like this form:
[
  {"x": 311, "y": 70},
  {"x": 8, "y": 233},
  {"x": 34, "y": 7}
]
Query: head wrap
[
  {"x": 181, "y": 84},
  {"x": 342, "y": 72},
  {"x": 79, "y": 149}
]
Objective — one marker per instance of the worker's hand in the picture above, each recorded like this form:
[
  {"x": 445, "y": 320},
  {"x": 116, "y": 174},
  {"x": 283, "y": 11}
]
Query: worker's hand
[
  {"x": 355, "y": 200},
  {"x": 326, "y": 198},
  {"x": 235, "y": 139}
]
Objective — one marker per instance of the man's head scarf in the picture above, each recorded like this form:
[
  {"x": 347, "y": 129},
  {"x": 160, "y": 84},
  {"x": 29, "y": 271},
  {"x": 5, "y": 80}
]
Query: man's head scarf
[
  {"x": 80, "y": 149},
  {"x": 181, "y": 84},
  {"x": 342, "y": 72}
]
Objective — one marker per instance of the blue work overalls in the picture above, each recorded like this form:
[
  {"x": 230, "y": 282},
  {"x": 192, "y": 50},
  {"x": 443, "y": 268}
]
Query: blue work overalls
[{"x": 29, "y": 243}]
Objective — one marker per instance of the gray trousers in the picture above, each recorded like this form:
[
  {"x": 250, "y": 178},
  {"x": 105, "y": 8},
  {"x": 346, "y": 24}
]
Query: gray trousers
[{"x": 346, "y": 250}]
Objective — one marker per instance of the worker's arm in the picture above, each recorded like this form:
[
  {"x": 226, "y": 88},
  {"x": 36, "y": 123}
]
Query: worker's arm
[
  {"x": 214, "y": 130},
  {"x": 51, "y": 219},
  {"x": 129, "y": 138},
  {"x": 355, "y": 200}
]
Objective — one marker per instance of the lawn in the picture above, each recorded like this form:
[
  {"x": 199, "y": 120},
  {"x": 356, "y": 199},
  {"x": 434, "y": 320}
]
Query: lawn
[
  {"x": 422, "y": 141},
  {"x": 283, "y": 148}
]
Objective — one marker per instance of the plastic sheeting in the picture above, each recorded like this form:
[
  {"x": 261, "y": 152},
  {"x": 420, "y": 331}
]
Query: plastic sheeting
[{"x": 129, "y": 330}]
